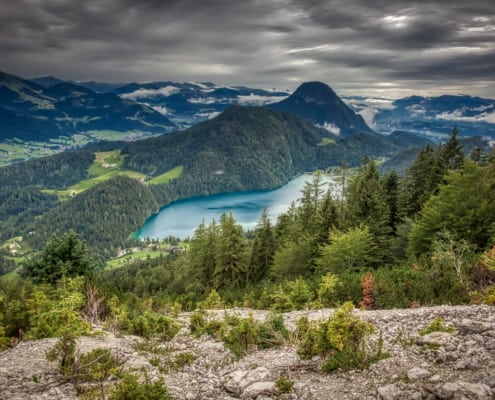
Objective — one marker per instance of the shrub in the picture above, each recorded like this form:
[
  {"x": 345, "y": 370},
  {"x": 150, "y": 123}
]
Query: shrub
[
  {"x": 342, "y": 340},
  {"x": 54, "y": 311},
  {"x": 284, "y": 385},
  {"x": 145, "y": 323},
  {"x": 130, "y": 388},
  {"x": 213, "y": 301},
  {"x": 246, "y": 334},
  {"x": 489, "y": 297},
  {"x": 437, "y": 325}
]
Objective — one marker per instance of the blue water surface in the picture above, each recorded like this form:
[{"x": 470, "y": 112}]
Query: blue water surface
[{"x": 181, "y": 218}]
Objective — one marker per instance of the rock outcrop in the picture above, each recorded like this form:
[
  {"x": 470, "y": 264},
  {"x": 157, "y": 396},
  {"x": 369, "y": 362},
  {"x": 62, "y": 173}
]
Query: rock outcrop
[{"x": 439, "y": 365}]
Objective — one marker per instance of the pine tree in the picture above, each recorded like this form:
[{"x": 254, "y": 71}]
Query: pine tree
[
  {"x": 366, "y": 204},
  {"x": 307, "y": 211},
  {"x": 230, "y": 254},
  {"x": 451, "y": 153},
  {"x": 62, "y": 256},
  {"x": 328, "y": 216},
  {"x": 202, "y": 253},
  {"x": 390, "y": 185},
  {"x": 262, "y": 249},
  {"x": 463, "y": 207},
  {"x": 420, "y": 181}
]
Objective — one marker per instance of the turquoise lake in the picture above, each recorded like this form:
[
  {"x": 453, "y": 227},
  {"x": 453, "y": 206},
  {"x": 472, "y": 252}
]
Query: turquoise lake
[{"x": 181, "y": 218}]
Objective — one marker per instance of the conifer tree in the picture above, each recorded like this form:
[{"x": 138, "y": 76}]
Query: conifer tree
[
  {"x": 307, "y": 212},
  {"x": 62, "y": 256},
  {"x": 202, "y": 253},
  {"x": 420, "y": 181},
  {"x": 451, "y": 154},
  {"x": 230, "y": 254},
  {"x": 262, "y": 249},
  {"x": 463, "y": 207},
  {"x": 366, "y": 205},
  {"x": 390, "y": 185}
]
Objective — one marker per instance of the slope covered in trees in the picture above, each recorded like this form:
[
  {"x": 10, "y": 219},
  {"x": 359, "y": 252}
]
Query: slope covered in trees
[
  {"x": 396, "y": 242},
  {"x": 103, "y": 215}
]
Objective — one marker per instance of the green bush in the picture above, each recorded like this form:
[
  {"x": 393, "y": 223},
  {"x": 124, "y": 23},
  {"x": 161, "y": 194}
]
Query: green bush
[
  {"x": 437, "y": 325},
  {"x": 199, "y": 325},
  {"x": 129, "y": 388},
  {"x": 135, "y": 319},
  {"x": 247, "y": 334},
  {"x": 342, "y": 340},
  {"x": 54, "y": 311},
  {"x": 284, "y": 385}
]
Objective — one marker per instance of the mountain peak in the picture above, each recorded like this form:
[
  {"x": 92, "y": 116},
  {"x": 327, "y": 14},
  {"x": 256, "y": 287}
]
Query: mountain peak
[
  {"x": 315, "y": 88},
  {"x": 318, "y": 103}
]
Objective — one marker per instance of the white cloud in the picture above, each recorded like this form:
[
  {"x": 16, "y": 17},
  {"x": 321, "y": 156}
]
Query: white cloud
[
  {"x": 332, "y": 128},
  {"x": 458, "y": 115},
  {"x": 208, "y": 115},
  {"x": 161, "y": 109},
  {"x": 368, "y": 107},
  {"x": 211, "y": 100},
  {"x": 368, "y": 115},
  {"x": 203, "y": 100},
  {"x": 416, "y": 109},
  {"x": 144, "y": 93},
  {"x": 259, "y": 100}
]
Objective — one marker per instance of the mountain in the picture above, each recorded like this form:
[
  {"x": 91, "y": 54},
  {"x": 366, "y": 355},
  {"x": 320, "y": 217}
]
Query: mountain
[
  {"x": 431, "y": 117},
  {"x": 99, "y": 87},
  {"x": 47, "y": 81},
  {"x": 189, "y": 103},
  {"x": 408, "y": 139},
  {"x": 318, "y": 103},
  {"x": 33, "y": 112},
  {"x": 244, "y": 148},
  {"x": 412, "y": 144}
]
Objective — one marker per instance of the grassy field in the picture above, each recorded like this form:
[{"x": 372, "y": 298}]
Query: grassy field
[
  {"x": 86, "y": 184},
  {"x": 104, "y": 162},
  {"x": 17, "y": 150},
  {"x": 105, "y": 166},
  {"x": 141, "y": 255},
  {"x": 13, "y": 151},
  {"x": 167, "y": 176},
  {"x": 326, "y": 141}
]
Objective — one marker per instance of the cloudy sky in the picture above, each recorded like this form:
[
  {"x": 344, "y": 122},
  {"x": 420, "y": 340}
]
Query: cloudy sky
[{"x": 380, "y": 47}]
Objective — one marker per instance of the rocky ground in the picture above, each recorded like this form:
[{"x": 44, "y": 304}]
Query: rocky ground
[{"x": 440, "y": 365}]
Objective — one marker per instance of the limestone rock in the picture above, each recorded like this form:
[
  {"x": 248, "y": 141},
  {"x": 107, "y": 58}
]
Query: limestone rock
[
  {"x": 258, "y": 389},
  {"x": 464, "y": 391},
  {"x": 468, "y": 326},
  {"x": 416, "y": 373},
  {"x": 436, "y": 339},
  {"x": 458, "y": 366},
  {"x": 389, "y": 392}
]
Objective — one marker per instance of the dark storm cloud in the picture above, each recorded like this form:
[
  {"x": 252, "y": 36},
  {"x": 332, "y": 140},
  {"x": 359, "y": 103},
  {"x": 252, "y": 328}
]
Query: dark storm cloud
[{"x": 381, "y": 46}]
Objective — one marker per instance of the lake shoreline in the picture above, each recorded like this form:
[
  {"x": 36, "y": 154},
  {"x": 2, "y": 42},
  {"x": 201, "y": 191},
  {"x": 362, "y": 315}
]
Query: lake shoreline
[{"x": 180, "y": 218}]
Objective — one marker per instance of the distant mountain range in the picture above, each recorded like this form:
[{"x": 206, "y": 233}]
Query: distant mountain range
[
  {"x": 45, "y": 108},
  {"x": 29, "y": 111},
  {"x": 432, "y": 117}
]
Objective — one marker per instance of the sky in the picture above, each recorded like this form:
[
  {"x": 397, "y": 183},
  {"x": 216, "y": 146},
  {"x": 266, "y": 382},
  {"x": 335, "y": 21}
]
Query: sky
[{"x": 390, "y": 48}]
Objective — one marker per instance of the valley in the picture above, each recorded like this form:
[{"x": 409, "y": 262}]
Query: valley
[
  {"x": 247, "y": 200},
  {"x": 242, "y": 223}
]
